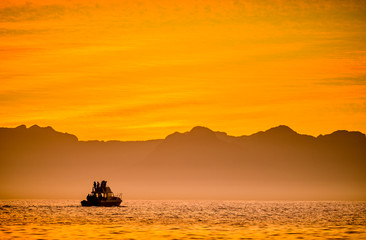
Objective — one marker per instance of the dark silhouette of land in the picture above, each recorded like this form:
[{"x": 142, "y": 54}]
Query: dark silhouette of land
[{"x": 275, "y": 164}]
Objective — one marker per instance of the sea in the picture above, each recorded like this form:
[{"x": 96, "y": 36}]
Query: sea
[{"x": 163, "y": 219}]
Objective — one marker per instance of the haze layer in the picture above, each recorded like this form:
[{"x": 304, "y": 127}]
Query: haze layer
[{"x": 278, "y": 164}]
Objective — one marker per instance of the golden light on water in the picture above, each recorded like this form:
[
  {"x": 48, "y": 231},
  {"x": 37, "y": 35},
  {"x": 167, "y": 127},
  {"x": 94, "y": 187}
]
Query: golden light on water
[{"x": 185, "y": 220}]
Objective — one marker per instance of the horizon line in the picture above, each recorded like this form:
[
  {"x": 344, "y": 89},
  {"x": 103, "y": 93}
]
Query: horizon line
[{"x": 191, "y": 129}]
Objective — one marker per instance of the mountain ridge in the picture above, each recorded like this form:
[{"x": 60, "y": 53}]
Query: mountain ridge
[
  {"x": 197, "y": 131},
  {"x": 278, "y": 163}
]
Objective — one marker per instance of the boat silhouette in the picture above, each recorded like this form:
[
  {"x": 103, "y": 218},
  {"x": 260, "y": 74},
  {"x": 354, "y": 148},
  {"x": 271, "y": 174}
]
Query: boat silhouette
[{"x": 102, "y": 195}]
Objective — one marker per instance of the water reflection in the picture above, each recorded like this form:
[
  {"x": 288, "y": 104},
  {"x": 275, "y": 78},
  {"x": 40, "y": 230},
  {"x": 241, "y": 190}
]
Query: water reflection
[{"x": 44, "y": 219}]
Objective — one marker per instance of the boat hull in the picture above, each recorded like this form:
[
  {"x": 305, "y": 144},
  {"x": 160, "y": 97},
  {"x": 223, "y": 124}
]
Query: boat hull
[{"x": 101, "y": 203}]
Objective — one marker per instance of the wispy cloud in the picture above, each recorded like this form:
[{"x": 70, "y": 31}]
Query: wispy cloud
[
  {"x": 344, "y": 81},
  {"x": 29, "y": 12},
  {"x": 142, "y": 109},
  {"x": 12, "y": 32}
]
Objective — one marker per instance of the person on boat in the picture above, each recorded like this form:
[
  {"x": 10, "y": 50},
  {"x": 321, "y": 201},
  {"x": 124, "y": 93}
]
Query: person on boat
[{"x": 103, "y": 185}]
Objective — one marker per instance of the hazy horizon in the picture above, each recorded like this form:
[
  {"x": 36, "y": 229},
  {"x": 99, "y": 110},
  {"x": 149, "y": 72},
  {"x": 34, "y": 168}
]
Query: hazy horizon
[
  {"x": 187, "y": 130},
  {"x": 275, "y": 164}
]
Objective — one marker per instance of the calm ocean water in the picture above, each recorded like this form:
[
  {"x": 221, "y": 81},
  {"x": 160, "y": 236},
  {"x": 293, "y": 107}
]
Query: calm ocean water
[{"x": 60, "y": 219}]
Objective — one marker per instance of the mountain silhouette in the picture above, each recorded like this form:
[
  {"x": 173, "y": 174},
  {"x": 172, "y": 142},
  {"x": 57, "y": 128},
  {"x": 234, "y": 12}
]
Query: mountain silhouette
[{"x": 39, "y": 162}]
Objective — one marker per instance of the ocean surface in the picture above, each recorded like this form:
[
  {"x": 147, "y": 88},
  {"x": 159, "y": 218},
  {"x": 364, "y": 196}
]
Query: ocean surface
[{"x": 61, "y": 219}]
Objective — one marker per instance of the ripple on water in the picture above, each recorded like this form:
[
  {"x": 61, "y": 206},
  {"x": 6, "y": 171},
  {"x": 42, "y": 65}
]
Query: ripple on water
[{"x": 184, "y": 219}]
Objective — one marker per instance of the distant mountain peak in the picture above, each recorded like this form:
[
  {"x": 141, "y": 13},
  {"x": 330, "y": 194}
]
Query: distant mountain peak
[
  {"x": 345, "y": 132},
  {"x": 198, "y": 132},
  {"x": 344, "y": 135},
  {"x": 200, "y": 129},
  {"x": 276, "y": 133},
  {"x": 281, "y": 129},
  {"x": 35, "y": 133},
  {"x": 35, "y": 126},
  {"x": 21, "y": 127},
  {"x": 38, "y": 128}
]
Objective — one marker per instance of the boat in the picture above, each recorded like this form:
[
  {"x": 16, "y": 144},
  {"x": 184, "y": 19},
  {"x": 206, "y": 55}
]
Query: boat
[{"x": 102, "y": 195}]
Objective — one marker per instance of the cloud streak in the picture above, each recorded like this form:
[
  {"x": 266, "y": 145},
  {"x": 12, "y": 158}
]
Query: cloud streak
[{"x": 345, "y": 81}]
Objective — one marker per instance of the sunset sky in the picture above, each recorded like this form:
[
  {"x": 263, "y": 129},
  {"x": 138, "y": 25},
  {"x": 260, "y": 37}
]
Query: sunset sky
[{"x": 136, "y": 70}]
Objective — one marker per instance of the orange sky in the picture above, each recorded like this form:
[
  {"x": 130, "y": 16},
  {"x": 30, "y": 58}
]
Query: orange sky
[{"x": 135, "y": 70}]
